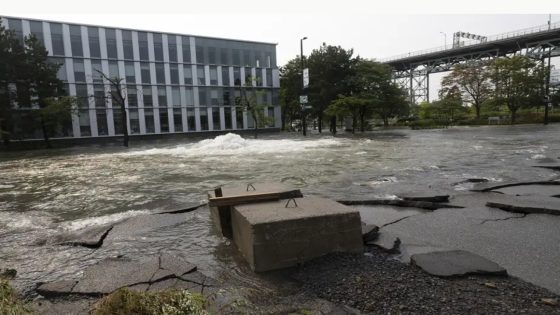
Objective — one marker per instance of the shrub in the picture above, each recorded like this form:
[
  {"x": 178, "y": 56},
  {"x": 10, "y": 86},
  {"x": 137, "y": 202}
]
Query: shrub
[
  {"x": 171, "y": 302},
  {"x": 10, "y": 304}
]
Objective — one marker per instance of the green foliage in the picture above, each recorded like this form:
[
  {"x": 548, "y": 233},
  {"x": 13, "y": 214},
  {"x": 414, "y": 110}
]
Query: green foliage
[
  {"x": 290, "y": 89},
  {"x": 518, "y": 82},
  {"x": 171, "y": 302},
  {"x": 10, "y": 304},
  {"x": 249, "y": 101},
  {"x": 57, "y": 111},
  {"x": 471, "y": 81}
]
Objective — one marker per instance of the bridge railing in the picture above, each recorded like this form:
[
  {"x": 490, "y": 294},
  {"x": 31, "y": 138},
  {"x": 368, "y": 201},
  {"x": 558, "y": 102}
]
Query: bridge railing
[{"x": 492, "y": 38}]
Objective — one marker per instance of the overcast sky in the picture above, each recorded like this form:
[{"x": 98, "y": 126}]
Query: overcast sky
[{"x": 375, "y": 29}]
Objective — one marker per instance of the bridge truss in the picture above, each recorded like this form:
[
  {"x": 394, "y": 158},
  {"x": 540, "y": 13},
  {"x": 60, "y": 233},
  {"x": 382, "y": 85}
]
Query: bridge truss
[{"x": 412, "y": 71}]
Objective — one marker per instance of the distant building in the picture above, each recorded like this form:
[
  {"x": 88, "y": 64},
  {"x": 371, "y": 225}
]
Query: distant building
[{"x": 175, "y": 83}]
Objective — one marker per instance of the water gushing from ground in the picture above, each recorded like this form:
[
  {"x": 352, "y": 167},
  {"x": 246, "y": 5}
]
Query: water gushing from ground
[{"x": 45, "y": 193}]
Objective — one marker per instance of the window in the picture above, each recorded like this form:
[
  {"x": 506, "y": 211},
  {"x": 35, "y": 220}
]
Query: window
[
  {"x": 247, "y": 61},
  {"x": 143, "y": 45},
  {"x": 216, "y": 118},
  {"x": 226, "y": 97},
  {"x": 132, "y": 96},
  {"x": 149, "y": 116},
  {"x": 102, "y": 128},
  {"x": 214, "y": 100},
  {"x": 158, "y": 47},
  {"x": 201, "y": 80},
  {"x": 99, "y": 96},
  {"x": 186, "y": 50},
  {"x": 271, "y": 116},
  {"x": 174, "y": 73},
  {"x": 162, "y": 96},
  {"x": 111, "y": 39},
  {"x": 82, "y": 95},
  {"x": 199, "y": 54},
  {"x": 79, "y": 72},
  {"x": 236, "y": 57},
  {"x": 147, "y": 96},
  {"x": 191, "y": 121},
  {"x": 15, "y": 25},
  {"x": 213, "y": 75},
  {"x": 239, "y": 118},
  {"x": 187, "y": 74},
  {"x": 76, "y": 41},
  {"x": 227, "y": 117},
  {"x": 175, "y": 97},
  {"x": 172, "y": 47},
  {"x": 36, "y": 29},
  {"x": 224, "y": 56},
  {"x": 96, "y": 71},
  {"x": 134, "y": 121},
  {"x": 268, "y": 77},
  {"x": 259, "y": 77},
  {"x": 177, "y": 120},
  {"x": 61, "y": 74},
  {"x": 94, "y": 48},
  {"x": 145, "y": 72},
  {"x": 57, "y": 41},
  {"x": 249, "y": 77},
  {"x": 160, "y": 73},
  {"x": 203, "y": 119},
  {"x": 117, "y": 121},
  {"x": 163, "y": 120},
  {"x": 113, "y": 69},
  {"x": 225, "y": 76},
  {"x": 85, "y": 128},
  {"x": 237, "y": 76},
  {"x": 202, "y": 101},
  {"x": 212, "y": 56},
  {"x": 129, "y": 72},
  {"x": 189, "y": 97},
  {"x": 127, "y": 45}
]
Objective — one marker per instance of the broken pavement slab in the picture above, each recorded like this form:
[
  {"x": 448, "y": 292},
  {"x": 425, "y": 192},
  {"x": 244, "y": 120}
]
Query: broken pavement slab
[
  {"x": 112, "y": 274},
  {"x": 528, "y": 204},
  {"x": 92, "y": 237},
  {"x": 486, "y": 187},
  {"x": 456, "y": 263}
]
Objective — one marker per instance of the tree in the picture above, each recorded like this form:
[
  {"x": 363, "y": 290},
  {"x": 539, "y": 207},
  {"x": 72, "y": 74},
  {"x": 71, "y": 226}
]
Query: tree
[
  {"x": 42, "y": 84},
  {"x": 347, "y": 106},
  {"x": 518, "y": 82},
  {"x": 248, "y": 101},
  {"x": 290, "y": 89},
  {"x": 11, "y": 62},
  {"x": 330, "y": 70},
  {"x": 118, "y": 95},
  {"x": 473, "y": 82},
  {"x": 56, "y": 112}
]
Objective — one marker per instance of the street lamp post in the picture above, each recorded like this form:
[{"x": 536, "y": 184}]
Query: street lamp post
[
  {"x": 303, "y": 120},
  {"x": 444, "y": 39}
]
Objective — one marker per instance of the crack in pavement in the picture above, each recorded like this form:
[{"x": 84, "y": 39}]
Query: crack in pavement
[
  {"x": 396, "y": 221},
  {"x": 95, "y": 245},
  {"x": 504, "y": 219}
]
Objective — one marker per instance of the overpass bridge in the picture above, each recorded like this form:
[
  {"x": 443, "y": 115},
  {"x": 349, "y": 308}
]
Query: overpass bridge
[{"x": 412, "y": 71}]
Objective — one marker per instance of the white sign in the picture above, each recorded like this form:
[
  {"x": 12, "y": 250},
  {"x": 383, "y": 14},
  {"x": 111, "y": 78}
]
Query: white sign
[
  {"x": 303, "y": 99},
  {"x": 305, "y": 77},
  {"x": 555, "y": 77}
]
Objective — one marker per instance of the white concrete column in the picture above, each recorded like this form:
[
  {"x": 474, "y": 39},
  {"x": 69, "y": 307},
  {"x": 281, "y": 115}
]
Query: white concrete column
[
  {"x": 242, "y": 75},
  {"x": 207, "y": 75},
  {"x": 47, "y": 37},
  {"x": 135, "y": 48},
  {"x": 66, "y": 40},
  {"x": 120, "y": 48},
  {"x": 85, "y": 41},
  {"x": 222, "y": 119},
  {"x": 193, "y": 49},
  {"x": 275, "y": 78},
  {"x": 151, "y": 52},
  {"x": 233, "y": 118},
  {"x": 179, "y": 41},
  {"x": 253, "y": 77},
  {"x": 219, "y": 71},
  {"x": 103, "y": 46},
  {"x": 25, "y": 28},
  {"x": 231, "y": 78},
  {"x": 197, "y": 118}
]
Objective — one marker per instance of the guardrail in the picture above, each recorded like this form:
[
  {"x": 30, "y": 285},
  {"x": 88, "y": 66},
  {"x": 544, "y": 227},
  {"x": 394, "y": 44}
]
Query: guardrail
[{"x": 493, "y": 38}]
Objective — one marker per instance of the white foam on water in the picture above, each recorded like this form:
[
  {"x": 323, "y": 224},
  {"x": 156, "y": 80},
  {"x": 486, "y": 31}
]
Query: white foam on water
[
  {"x": 93, "y": 221},
  {"x": 538, "y": 157},
  {"x": 234, "y": 144},
  {"x": 24, "y": 221},
  {"x": 6, "y": 186}
]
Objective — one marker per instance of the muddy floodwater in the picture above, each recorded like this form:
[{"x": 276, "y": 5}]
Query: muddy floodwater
[{"x": 47, "y": 193}]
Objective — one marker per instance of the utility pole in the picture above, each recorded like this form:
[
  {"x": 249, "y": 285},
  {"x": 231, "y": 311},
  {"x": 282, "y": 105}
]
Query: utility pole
[{"x": 303, "y": 120}]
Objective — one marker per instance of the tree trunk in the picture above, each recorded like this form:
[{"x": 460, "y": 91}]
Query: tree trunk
[
  {"x": 385, "y": 122},
  {"x": 477, "y": 108},
  {"x": 513, "y": 116},
  {"x": 546, "y": 113},
  {"x": 125, "y": 128},
  {"x": 45, "y": 134},
  {"x": 354, "y": 123},
  {"x": 333, "y": 125},
  {"x": 320, "y": 120},
  {"x": 362, "y": 121}
]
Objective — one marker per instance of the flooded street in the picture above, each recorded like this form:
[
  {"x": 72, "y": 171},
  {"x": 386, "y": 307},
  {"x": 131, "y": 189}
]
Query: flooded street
[{"x": 44, "y": 194}]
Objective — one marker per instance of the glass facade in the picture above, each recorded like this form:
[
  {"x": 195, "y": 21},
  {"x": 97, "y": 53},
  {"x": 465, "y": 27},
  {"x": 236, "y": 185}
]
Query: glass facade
[{"x": 172, "y": 83}]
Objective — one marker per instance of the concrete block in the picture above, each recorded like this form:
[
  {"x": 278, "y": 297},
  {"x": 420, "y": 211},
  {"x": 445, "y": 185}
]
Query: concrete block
[
  {"x": 271, "y": 236},
  {"x": 240, "y": 194}
]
